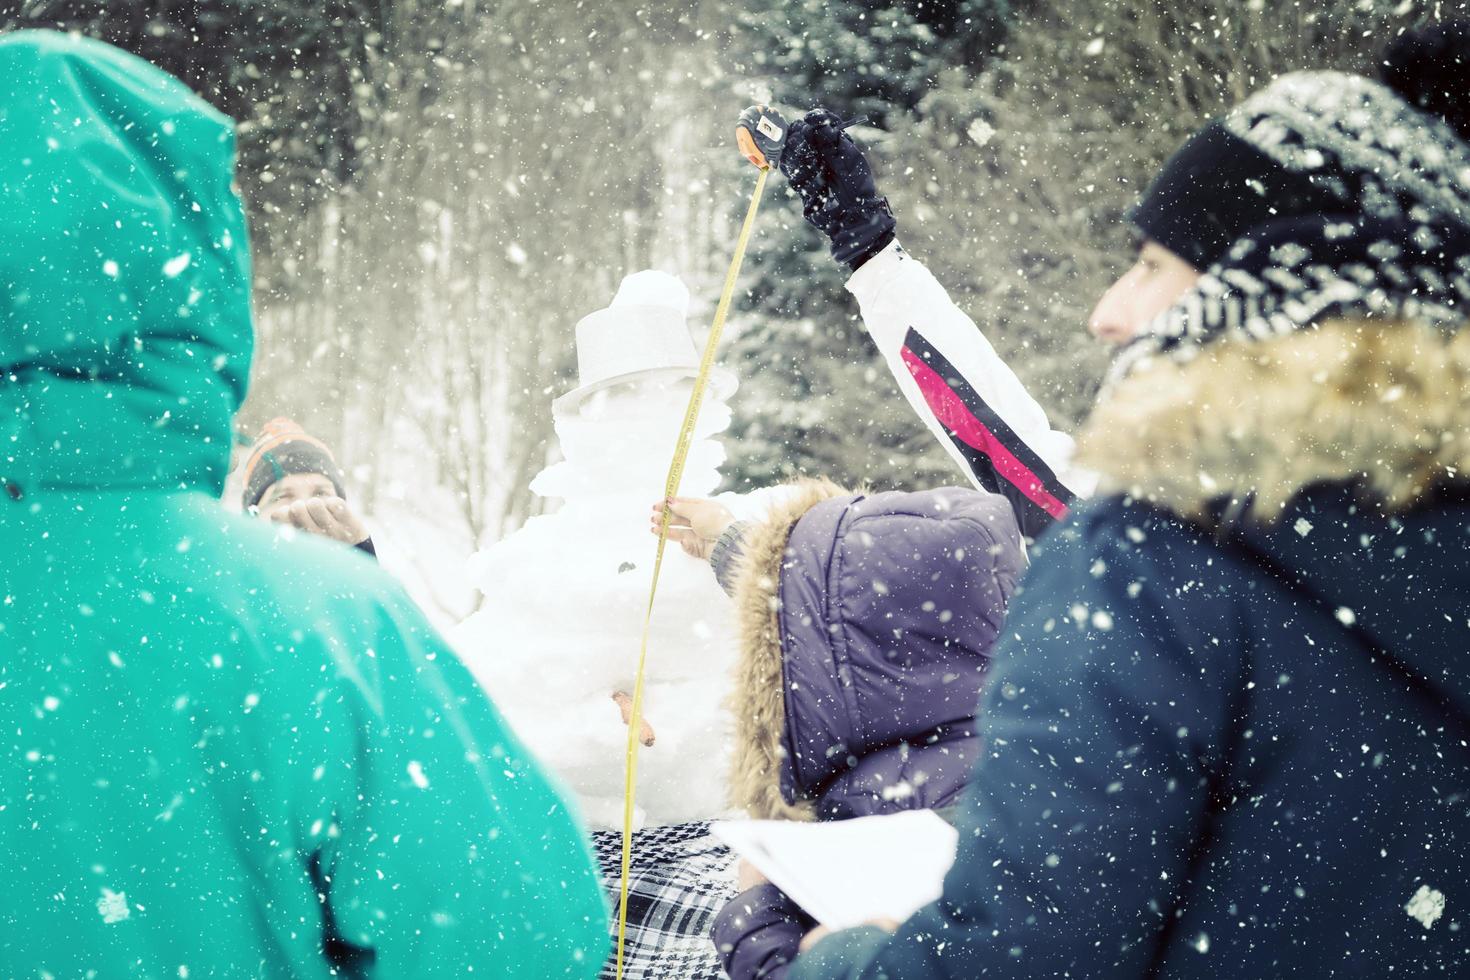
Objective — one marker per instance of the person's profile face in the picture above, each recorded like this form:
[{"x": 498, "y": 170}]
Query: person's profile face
[
  {"x": 1148, "y": 288},
  {"x": 291, "y": 488}
]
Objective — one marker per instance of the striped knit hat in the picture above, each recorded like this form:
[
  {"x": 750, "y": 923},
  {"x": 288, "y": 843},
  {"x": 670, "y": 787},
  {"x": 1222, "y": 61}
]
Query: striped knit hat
[
  {"x": 1376, "y": 222},
  {"x": 1293, "y": 274},
  {"x": 281, "y": 449}
]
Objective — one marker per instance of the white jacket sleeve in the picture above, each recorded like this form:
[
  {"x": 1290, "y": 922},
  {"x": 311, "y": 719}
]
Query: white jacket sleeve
[{"x": 965, "y": 393}]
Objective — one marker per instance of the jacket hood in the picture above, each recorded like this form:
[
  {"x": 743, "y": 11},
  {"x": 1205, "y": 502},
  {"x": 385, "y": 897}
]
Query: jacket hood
[
  {"x": 1331, "y": 451},
  {"x": 758, "y": 699},
  {"x": 125, "y": 329},
  {"x": 866, "y": 623},
  {"x": 1399, "y": 581}
]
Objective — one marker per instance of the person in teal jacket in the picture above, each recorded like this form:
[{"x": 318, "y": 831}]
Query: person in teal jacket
[{"x": 226, "y": 749}]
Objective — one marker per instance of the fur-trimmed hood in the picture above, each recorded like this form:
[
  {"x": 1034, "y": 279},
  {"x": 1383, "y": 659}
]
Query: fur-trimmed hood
[
  {"x": 759, "y": 698},
  {"x": 1384, "y": 405},
  {"x": 865, "y": 626}
]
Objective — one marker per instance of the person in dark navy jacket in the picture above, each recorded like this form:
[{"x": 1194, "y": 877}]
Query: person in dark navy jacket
[{"x": 1227, "y": 728}]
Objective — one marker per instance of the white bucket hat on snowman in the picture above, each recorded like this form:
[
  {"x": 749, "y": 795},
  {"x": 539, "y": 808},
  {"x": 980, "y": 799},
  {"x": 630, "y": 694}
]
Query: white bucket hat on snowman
[{"x": 643, "y": 334}]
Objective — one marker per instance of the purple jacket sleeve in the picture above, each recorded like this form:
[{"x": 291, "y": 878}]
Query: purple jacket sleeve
[{"x": 758, "y": 933}]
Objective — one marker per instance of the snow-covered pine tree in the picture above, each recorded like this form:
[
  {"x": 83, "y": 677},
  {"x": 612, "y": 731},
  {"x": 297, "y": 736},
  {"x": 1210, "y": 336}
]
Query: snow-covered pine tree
[{"x": 816, "y": 399}]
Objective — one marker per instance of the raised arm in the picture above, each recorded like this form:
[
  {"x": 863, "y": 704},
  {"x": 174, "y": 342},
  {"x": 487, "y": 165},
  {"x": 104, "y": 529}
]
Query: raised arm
[
  {"x": 951, "y": 375},
  {"x": 970, "y": 398}
]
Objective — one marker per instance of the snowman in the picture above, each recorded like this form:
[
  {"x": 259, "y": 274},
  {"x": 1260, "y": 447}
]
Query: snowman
[{"x": 556, "y": 642}]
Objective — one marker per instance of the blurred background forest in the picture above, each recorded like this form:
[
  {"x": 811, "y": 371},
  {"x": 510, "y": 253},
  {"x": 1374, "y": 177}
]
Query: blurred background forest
[{"x": 438, "y": 191}]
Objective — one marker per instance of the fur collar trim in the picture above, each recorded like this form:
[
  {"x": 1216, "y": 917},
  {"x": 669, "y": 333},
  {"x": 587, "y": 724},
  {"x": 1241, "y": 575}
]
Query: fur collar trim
[
  {"x": 758, "y": 700},
  {"x": 1381, "y": 404}
]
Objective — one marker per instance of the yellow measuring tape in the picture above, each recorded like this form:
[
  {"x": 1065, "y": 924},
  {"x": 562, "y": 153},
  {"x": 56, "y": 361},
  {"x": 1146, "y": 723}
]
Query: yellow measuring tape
[{"x": 671, "y": 489}]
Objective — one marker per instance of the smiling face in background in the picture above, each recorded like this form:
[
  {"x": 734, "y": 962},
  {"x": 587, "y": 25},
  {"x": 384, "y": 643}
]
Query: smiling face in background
[
  {"x": 311, "y": 503},
  {"x": 279, "y": 496},
  {"x": 1148, "y": 288}
]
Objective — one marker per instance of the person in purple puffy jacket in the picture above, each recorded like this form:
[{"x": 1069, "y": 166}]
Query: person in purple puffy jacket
[{"x": 866, "y": 624}]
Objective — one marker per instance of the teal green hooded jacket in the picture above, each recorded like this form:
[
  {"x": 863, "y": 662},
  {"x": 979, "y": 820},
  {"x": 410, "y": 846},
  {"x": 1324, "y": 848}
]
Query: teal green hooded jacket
[{"x": 225, "y": 750}]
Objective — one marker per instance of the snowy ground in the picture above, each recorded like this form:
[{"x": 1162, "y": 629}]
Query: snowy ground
[{"x": 428, "y": 558}]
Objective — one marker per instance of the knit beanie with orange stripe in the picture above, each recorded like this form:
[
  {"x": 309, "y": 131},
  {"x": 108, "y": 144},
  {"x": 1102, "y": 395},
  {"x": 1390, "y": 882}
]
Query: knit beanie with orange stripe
[{"x": 281, "y": 449}]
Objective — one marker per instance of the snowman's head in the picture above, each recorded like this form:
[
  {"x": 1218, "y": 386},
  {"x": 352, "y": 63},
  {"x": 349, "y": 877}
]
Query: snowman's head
[
  {"x": 620, "y": 439},
  {"x": 637, "y": 352},
  {"x": 650, "y": 396}
]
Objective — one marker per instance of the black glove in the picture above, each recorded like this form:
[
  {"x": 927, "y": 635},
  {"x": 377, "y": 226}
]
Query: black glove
[{"x": 838, "y": 195}]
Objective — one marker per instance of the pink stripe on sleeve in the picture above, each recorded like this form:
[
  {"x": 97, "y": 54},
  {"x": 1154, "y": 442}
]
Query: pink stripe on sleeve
[{"x": 956, "y": 416}]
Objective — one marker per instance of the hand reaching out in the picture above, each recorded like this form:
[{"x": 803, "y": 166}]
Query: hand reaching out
[{"x": 695, "y": 523}]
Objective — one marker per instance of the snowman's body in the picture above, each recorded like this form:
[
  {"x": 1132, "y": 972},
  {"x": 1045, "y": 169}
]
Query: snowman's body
[{"x": 565, "y": 598}]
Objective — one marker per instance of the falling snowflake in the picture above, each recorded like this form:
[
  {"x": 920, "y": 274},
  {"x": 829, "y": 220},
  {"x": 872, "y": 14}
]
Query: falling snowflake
[
  {"x": 980, "y": 131},
  {"x": 416, "y": 773},
  {"x": 1426, "y": 906},
  {"x": 900, "y": 790},
  {"x": 113, "y": 906},
  {"x": 176, "y": 265},
  {"x": 1303, "y": 526}
]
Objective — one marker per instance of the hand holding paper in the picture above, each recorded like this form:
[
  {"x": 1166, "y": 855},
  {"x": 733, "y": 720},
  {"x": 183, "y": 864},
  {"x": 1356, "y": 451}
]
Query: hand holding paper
[{"x": 850, "y": 872}]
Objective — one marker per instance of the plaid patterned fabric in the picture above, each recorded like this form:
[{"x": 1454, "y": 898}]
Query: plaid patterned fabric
[{"x": 679, "y": 880}]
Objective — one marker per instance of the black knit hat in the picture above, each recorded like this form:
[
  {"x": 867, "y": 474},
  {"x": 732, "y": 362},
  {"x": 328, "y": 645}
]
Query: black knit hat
[
  {"x": 281, "y": 449},
  {"x": 1309, "y": 143},
  {"x": 1430, "y": 67},
  {"x": 1214, "y": 189}
]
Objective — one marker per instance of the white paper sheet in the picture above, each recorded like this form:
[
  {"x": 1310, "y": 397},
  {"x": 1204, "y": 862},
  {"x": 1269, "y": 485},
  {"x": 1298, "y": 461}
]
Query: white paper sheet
[{"x": 848, "y": 872}]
